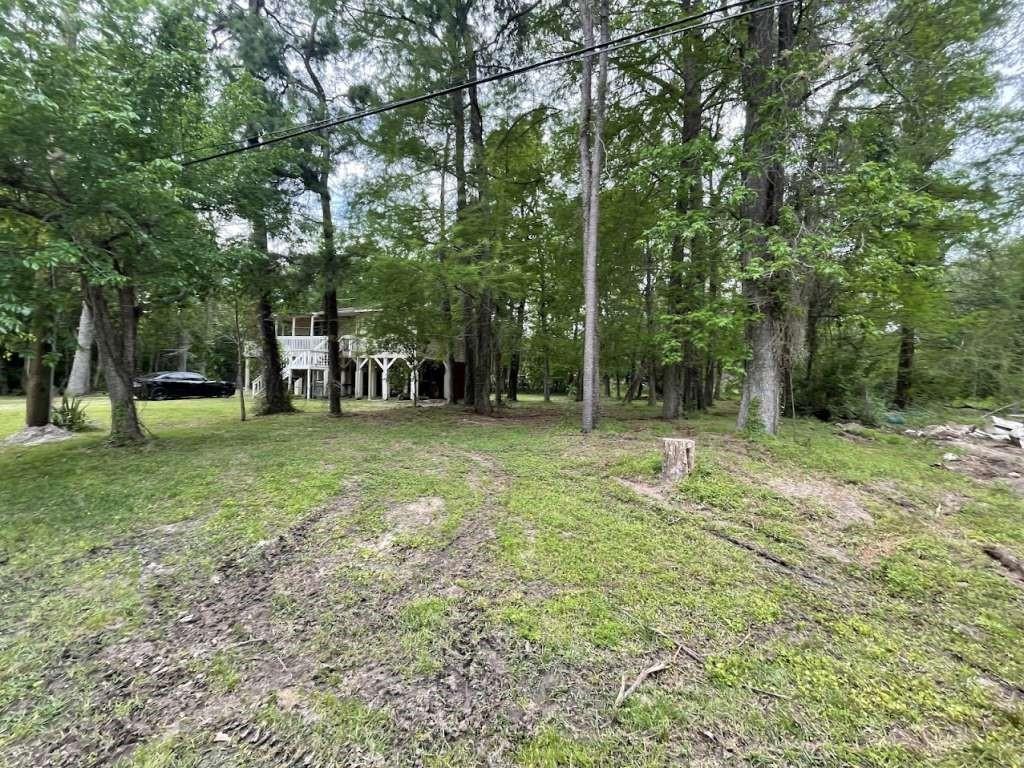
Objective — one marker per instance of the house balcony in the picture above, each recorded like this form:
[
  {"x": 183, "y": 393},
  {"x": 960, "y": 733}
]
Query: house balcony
[{"x": 311, "y": 351}]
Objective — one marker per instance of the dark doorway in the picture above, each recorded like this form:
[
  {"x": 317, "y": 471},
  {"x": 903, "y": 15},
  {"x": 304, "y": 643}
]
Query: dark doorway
[
  {"x": 458, "y": 381},
  {"x": 432, "y": 380},
  {"x": 348, "y": 376}
]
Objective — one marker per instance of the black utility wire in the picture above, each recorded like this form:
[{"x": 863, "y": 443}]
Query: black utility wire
[{"x": 634, "y": 38}]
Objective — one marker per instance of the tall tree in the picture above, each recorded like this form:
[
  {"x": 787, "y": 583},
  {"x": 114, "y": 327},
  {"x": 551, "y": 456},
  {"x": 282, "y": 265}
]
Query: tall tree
[
  {"x": 103, "y": 204},
  {"x": 310, "y": 34},
  {"x": 769, "y": 37},
  {"x": 258, "y": 48},
  {"x": 591, "y": 143}
]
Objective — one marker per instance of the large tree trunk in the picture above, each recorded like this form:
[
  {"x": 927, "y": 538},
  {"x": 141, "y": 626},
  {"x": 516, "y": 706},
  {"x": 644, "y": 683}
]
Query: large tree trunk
[
  {"x": 469, "y": 337},
  {"x": 762, "y": 385},
  {"x": 693, "y": 386},
  {"x": 456, "y": 41},
  {"x": 514, "y": 360},
  {"x": 329, "y": 255},
  {"x": 330, "y": 296},
  {"x": 591, "y": 143},
  {"x": 446, "y": 299},
  {"x": 685, "y": 282},
  {"x": 709, "y": 381},
  {"x": 37, "y": 380},
  {"x": 650, "y": 364},
  {"x": 80, "y": 380},
  {"x": 635, "y": 383},
  {"x": 905, "y": 368},
  {"x": 672, "y": 374},
  {"x": 275, "y": 393},
  {"x": 671, "y": 391},
  {"x": 333, "y": 354},
  {"x": 116, "y": 332},
  {"x": 483, "y": 326}
]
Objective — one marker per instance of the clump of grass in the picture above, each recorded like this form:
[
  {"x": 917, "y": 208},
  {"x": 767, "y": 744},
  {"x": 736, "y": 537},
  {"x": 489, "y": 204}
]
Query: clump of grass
[{"x": 422, "y": 624}]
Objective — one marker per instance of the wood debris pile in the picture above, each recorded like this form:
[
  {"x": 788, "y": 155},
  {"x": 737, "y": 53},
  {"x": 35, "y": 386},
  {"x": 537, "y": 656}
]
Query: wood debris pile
[{"x": 999, "y": 430}]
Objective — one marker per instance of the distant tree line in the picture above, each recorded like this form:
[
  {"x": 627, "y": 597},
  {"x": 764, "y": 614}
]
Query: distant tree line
[{"x": 808, "y": 207}]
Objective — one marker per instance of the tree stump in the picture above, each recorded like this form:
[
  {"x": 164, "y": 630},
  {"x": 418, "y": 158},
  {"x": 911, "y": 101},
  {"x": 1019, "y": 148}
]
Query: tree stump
[{"x": 678, "y": 455}]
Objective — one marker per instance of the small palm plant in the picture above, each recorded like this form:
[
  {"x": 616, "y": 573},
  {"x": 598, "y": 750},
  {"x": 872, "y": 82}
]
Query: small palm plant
[{"x": 70, "y": 415}]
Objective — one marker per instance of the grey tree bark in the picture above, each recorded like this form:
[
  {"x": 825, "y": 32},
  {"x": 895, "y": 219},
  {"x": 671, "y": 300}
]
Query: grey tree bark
[
  {"x": 765, "y": 52},
  {"x": 275, "y": 393},
  {"x": 591, "y": 144},
  {"x": 116, "y": 334},
  {"x": 483, "y": 327},
  {"x": 80, "y": 380}
]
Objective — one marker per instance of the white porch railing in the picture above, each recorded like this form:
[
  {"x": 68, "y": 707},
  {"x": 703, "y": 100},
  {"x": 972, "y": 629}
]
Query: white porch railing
[
  {"x": 301, "y": 343},
  {"x": 349, "y": 346},
  {"x": 309, "y": 353}
]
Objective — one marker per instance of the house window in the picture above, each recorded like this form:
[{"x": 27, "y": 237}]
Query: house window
[{"x": 319, "y": 328}]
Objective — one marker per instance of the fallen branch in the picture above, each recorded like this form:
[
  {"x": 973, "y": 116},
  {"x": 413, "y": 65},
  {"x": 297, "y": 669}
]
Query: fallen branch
[
  {"x": 763, "y": 553},
  {"x": 625, "y": 693},
  {"x": 765, "y": 692},
  {"x": 681, "y": 648},
  {"x": 1000, "y": 410}
]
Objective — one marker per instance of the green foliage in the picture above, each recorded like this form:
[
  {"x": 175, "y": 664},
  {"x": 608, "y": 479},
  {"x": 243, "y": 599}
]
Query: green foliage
[{"x": 70, "y": 414}]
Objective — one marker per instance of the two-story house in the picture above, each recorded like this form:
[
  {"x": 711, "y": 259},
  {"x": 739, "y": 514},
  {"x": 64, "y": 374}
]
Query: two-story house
[{"x": 367, "y": 369}]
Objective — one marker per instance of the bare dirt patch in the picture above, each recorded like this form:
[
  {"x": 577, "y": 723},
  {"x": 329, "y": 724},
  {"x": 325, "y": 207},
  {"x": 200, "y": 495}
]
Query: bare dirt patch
[
  {"x": 39, "y": 436},
  {"x": 842, "y": 506},
  {"x": 415, "y": 514},
  {"x": 164, "y": 668},
  {"x": 990, "y": 463}
]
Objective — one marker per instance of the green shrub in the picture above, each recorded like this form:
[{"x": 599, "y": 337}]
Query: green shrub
[{"x": 70, "y": 414}]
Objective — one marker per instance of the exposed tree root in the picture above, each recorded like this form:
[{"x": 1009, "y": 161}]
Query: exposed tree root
[
  {"x": 1006, "y": 559},
  {"x": 656, "y": 495}
]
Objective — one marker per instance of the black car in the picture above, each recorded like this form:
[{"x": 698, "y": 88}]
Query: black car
[{"x": 170, "y": 385}]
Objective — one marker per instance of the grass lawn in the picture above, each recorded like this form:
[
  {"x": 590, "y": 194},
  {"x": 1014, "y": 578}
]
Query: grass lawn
[{"x": 428, "y": 587}]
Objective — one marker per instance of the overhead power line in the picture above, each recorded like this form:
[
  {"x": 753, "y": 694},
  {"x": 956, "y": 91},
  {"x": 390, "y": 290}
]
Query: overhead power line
[{"x": 678, "y": 26}]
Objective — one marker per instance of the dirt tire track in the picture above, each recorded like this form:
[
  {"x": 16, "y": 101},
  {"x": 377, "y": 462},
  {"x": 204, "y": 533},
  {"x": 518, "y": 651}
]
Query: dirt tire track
[{"x": 157, "y": 666}]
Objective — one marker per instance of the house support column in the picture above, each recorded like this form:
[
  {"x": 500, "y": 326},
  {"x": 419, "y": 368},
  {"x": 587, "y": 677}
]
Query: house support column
[
  {"x": 414, "y": 383},
  {"x": 371, "y": 380},
  {"x": 385, "y": 368},
  {"x": 360, "y": 364}
]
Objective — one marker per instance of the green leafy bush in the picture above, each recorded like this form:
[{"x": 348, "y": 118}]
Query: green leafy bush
[{"x": 70, "y": 414}]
